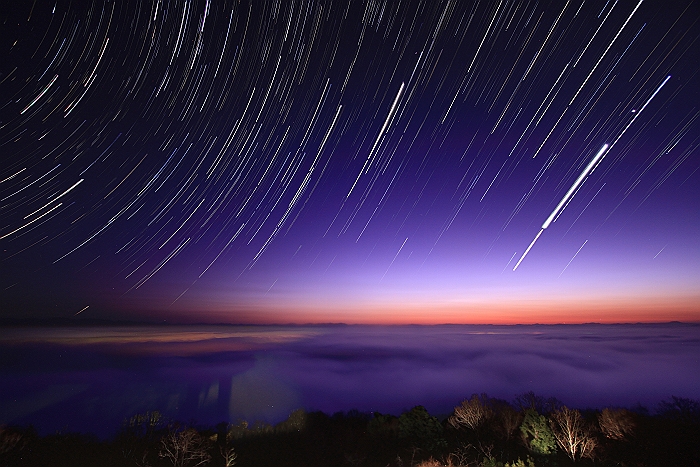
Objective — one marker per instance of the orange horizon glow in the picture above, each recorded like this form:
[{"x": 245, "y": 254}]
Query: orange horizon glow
[{"x": 523, "y": 312}]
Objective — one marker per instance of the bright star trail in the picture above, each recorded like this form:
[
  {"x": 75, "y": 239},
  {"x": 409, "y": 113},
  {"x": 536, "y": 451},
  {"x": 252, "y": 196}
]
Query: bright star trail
[
  {"x": 553, "y": 216},
  {"x": 359, "y": 162}
]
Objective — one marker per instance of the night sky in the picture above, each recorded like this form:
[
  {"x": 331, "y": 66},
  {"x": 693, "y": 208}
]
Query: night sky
[{"x": 357, "y": 162}]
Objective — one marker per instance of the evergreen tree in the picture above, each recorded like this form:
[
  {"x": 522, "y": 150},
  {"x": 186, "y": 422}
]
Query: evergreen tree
[{"x": 536, "y": 433}]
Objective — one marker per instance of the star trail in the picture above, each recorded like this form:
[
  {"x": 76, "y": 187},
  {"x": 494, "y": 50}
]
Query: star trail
[{"x": 361, "y": 161}]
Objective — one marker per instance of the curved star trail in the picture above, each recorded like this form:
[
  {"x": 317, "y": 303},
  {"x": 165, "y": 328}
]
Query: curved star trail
[{"x": 349, "y": 161}]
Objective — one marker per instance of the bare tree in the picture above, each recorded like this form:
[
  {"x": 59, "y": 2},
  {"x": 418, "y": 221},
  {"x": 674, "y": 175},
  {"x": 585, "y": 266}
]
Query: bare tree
[
  {"x": 138, "y": 435},
  {"x": 572, "y": 433},
  {"x": 587, "y": 447},
  {"x": 471, "y": 413},
  {"x": 225, "y": 438},
  {"x": 145, "y": 424},
  {"x": 10, "y": 439},
  {"x": 229, "y": 455},
  {"x": 509, "y": 420},
  {"x": 616, "y": 424},
  {"x": 185, "y": 448},
  {"x": 681, "y": 409},
  {"x": 539, "y": 404}
]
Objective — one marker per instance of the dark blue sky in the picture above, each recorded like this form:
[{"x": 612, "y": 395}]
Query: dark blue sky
[{"x": 350, "y": 162}]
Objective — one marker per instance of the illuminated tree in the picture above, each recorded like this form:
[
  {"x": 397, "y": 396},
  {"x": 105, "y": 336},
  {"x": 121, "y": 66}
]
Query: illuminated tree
[
  {"x": 521, "y": 463},
  {"x": 10, "y": 440},
  {"x": 226, "y": 434},
  {"x": 536, "y": 433},
  {"x": 471, "y": 412},
  {"x": 572, "y": 433},
  {"x": 185, "y": 448},
  {"x": 295, "y": 422},
  {"x": 616, "y": 424},
  {"x": 229, "y": 454}
]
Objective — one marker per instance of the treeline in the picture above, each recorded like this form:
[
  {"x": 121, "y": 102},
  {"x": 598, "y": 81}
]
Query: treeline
[{"x": 481, "y": 432}]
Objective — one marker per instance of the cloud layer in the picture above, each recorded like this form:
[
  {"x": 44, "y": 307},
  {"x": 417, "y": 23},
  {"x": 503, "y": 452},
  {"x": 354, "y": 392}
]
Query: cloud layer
[{"x": 211, "y": 374}]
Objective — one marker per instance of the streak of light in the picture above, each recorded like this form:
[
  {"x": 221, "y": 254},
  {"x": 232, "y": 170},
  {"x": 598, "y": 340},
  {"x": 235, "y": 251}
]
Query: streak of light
[
  {"x": 394, "y": 259},
  {"x": 508, "y": 263},
  {"x": 576, "y": 184},
  {"x": 657, "y": 254},
  {"x": 595, "y": 33},
  {"x": 59, "y": 196},
  {"x": 565, "y": 199},
  {"x": 36, "y": 99},
  {"x": 577, "y": 252},
  {"x": 161, "y": 264},
  {"x": 605, "y": 52},
  {"x": 528, "y": 249},
  {"x": 89, "y": 80},
  {"x": 585, "y": 207},
  {"x": 370, "y": 156},
  {"x": 13, "y": 176},
  {"x": 223, "y": 249},
  {"x": 636, "y": 114},
  {"x": 589, "y": 168},
  {"x": 31, "y": 222}
]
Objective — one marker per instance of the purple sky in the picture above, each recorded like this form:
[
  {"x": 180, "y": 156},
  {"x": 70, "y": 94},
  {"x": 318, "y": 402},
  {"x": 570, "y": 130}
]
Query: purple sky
[
  {"x": 358, "y": 162},
  {"x": 91, "y": 379}
]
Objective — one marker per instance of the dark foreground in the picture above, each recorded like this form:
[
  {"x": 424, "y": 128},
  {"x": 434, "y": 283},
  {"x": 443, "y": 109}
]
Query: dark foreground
[{"x": 481, "y": 431}]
